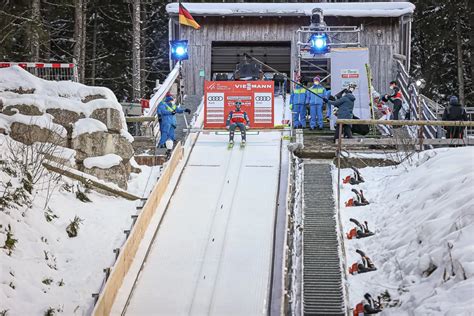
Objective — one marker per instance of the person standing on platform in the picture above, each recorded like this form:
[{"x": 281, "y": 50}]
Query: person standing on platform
[
  {"x": 298, "y": 101},
  {"x": 316, "y": 103}
]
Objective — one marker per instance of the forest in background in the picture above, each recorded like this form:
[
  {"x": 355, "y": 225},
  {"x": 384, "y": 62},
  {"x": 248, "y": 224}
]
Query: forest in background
[{"x": 123, "y": 44}]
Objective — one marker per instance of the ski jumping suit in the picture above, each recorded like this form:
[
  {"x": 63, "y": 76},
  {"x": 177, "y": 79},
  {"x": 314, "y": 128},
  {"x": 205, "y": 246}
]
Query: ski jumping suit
[
  {"x": 298, "y": 101},
  {"x": 237, "y": 119},
  {"x": 316, "y": 105},
  {"x": 166, "y": 112},
  {"x": 397, "y": 99}
]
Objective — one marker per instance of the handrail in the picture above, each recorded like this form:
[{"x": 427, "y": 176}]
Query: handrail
[{"x": 405, "y": 122}]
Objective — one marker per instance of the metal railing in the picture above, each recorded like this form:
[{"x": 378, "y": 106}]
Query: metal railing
[{"x": 47, "y": 71}]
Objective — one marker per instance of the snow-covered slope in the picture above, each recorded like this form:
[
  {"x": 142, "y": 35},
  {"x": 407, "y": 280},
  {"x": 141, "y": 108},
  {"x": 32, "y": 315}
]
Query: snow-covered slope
[
  {"x": 423, "y": 216},
  {"x": 46, "y": 269}
]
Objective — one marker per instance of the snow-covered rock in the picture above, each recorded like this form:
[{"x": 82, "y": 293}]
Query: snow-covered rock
[
  {"x": 423, "y": 217},
  {"x": 86, "y": 119}
]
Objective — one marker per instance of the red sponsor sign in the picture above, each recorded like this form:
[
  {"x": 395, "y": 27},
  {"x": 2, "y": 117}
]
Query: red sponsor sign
[{"x": 256, "y": 97}]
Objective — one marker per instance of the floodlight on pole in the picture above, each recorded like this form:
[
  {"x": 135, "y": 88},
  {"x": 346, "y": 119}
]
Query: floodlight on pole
[
  {"x": 319, "y": 43},
  {"x": 179, "y": 50}
]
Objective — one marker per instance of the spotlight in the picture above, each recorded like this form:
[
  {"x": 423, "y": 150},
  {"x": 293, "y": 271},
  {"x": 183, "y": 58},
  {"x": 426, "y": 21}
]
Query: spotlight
[
  {"x": 420, "y": 83},
  {"x": 319, "y": 44},
  {"x": 179, "y": 50}
]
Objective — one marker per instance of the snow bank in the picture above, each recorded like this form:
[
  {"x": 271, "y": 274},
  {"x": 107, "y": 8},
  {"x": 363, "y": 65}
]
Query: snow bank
[
  {"x": 46, "y": 94},
  {"x": 103, "y": 162},
  {"x": 13, "y": 78},
  {"x": 47, "y": 269},
  {"x": 423, "y": 216},
  {"x": 88, "y": 125},
  {"x": 360, "y": 9}
]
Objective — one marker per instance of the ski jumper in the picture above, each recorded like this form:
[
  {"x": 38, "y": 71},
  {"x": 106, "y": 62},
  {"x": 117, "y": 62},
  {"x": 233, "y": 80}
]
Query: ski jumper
[{"x": 238, "y": 119}]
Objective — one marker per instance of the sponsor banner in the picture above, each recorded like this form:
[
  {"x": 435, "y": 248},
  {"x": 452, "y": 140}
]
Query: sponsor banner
[
  {"x": 256, "y": 97},
  {"x": 348, "y": 66}
]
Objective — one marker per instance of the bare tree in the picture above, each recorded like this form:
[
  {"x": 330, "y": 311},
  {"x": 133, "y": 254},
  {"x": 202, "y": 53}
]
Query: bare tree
[
  {"x": 82, "y": 69},
  {"x": 460, "y": 62},
  {"x": 136, "y": 56},
  {"x": 78, "y": 34},
  {"x": 35, "y": 26}
]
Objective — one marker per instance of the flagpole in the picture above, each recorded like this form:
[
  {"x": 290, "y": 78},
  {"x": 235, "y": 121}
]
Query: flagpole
[{"x": 180, "y": 64}]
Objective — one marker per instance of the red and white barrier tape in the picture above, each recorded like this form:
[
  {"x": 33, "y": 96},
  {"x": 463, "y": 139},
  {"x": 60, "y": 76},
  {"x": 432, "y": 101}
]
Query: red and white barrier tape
[{"x": 36, "y": 65}]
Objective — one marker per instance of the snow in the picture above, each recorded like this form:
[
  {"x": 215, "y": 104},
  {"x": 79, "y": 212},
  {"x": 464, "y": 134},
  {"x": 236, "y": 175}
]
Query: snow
[
  {"x": 103, "y": 162},
  {"x": 65, "y": 95},
  {"x": 12, "y": 78},
  {"x": 124, "y": 133},
  {"x": 360, "y": 9},
  {"x": 88, "y": 125},
  {"x": 78, "y": 261},
  {"x": 417, "y": 211},
  {"x": 215, "y": 242}
]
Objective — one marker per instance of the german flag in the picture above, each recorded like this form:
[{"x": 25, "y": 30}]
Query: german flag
[{"x": 186, "y": 18}]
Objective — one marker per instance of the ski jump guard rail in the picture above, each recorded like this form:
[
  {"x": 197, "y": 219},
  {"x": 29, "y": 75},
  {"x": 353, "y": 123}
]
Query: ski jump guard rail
[{"x": 47, "y": 71}]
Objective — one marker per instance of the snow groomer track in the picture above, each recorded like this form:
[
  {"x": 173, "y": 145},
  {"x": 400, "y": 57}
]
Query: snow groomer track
[
  {"x": 212, "y": 254},
  {"x": 322, "y": 287}
]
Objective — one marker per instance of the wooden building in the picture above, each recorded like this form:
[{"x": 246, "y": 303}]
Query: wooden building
[{"x": 268, "y": 31}]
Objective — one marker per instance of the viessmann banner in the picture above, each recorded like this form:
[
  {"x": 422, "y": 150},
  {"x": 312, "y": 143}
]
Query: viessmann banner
[{"x": 256, "y": 97}]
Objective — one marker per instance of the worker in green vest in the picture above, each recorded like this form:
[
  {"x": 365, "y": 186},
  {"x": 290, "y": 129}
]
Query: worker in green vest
[{"x": 318, "y": 92}]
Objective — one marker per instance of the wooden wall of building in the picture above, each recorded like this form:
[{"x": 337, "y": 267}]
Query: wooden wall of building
[{"x": 380, "y": 35}]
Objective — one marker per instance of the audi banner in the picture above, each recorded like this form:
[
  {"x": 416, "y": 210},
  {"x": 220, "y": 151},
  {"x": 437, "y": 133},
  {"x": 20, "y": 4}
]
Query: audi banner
[{"x": 256, "y": 97}]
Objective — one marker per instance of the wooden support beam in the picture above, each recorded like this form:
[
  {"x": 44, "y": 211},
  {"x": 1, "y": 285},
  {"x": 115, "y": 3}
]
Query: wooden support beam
[
  {"x": 139, "y": 119},
  {"x": 408, "y": 123},
  {"x": 88, "y": 180}
]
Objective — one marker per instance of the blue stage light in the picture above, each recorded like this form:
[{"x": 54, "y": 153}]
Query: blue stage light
[
  {"x": 179, "y": 50},
  {"x": 319, "y": 44}
]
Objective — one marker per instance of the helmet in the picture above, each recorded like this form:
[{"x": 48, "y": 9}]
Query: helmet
[
  {"x": 169, "y": 97},
  {"x": 352, "y": 86},
  {"x": 453, "y": 100},
  {"x": 238, "y": 104}
]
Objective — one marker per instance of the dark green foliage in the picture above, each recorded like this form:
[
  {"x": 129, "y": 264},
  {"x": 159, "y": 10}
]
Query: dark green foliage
[
  {"x": 81, "y": 196},
  {"x": 73, "y": 228},
  {"x": 47, "y": 281},
  {"x": 49, "y": 215},
  {"x": 10, "y": 242}
]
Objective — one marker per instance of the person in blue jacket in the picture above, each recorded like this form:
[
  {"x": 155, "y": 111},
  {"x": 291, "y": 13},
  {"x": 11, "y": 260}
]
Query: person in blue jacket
[
  {"x": 166, "y": 112},
  {"x": 316, "y": 103},
  {"x": 298, "y": 101}
]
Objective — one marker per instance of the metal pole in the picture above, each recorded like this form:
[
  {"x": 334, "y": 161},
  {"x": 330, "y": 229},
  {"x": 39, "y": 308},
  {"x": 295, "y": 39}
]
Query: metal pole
[
  {"x": 339, "y": 150},
  {"x": 420, "y": 113}
]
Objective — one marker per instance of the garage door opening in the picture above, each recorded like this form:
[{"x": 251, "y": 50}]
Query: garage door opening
[{"x": 226, "y": 56}]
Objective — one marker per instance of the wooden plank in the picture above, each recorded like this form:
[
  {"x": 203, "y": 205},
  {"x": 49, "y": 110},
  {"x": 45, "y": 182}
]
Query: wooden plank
[
  {"x": 408, "y": 123},
  {"x": 87, "y": 179},
  {"x": 127, "y": 254}
]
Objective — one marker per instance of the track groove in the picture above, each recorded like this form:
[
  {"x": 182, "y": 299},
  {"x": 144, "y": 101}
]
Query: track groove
[{"x": 322, "y": 285}]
